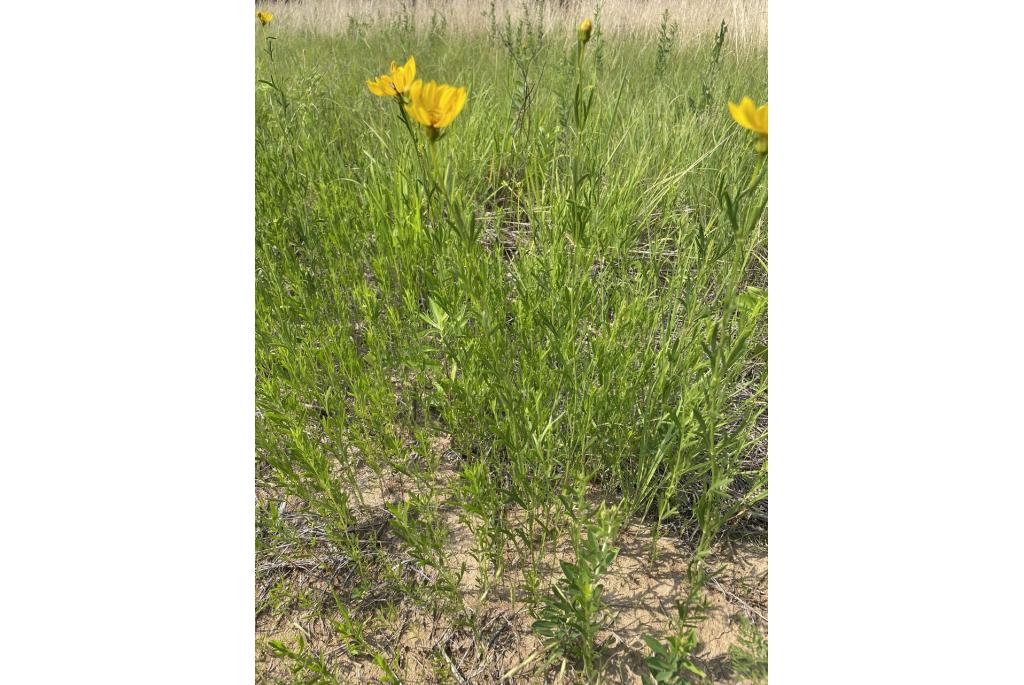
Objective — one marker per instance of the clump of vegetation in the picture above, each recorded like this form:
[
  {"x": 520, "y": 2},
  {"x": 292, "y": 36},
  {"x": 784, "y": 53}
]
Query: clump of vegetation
[
  {"x": 672, "y": 662},
  {"x": 574, "y": 613},
  {"x": 667, "y": 33},
  {"x": 749, "y": 658},
  {"x": 490, "y": 291}
]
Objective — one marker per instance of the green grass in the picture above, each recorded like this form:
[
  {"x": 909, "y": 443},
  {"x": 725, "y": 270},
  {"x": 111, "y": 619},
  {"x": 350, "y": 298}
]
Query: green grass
[{"x": 580, "y": 308}]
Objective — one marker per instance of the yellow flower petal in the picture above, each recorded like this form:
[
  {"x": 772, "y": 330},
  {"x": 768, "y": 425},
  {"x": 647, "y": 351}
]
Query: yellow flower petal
[
  {"x": 444, "y": 98},
  {"x": 435, "y": 105},
  {"x": 455, "y": 105},
  {"x": 738, "y": 114},
  {"x": 748, "y": 109},
  {"x": 406, "y": 75},
  {"x": 749, "y": 116},
  {"x": 397, "y": 81},
  {"x": 761, "y": 119}
]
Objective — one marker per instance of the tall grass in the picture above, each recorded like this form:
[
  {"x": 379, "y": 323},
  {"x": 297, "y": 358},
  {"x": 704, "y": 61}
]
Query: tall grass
[{"x": 580, "y": 308}]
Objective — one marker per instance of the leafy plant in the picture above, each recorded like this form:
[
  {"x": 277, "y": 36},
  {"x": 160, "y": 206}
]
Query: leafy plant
[
  {"x": 415, "y": 522},
  {"x": 572, "y": 615},
  {"x": 706, "y": 97},
  {"x": 667, "y": 33},
  {"x": 483, "y": 512},
  {"x": 671, "y": 662},
  {"x": 306, "y": 666},
  {"x": 749, "y": 659}
]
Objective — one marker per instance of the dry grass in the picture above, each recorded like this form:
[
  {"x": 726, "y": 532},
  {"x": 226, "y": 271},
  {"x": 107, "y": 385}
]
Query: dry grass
[{"x": 747, "y": 19}]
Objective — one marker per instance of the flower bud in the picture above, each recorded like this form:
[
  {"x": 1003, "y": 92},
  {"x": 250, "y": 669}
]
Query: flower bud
[{"x": 585, "y": 28}]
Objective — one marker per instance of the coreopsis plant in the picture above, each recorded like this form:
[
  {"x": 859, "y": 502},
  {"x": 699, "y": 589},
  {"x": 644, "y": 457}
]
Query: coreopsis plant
[
  {"x": 741, "y": 214},
  {"x": 753, "y": 118},
  {"x": 434, "y": 106},
  {"x": 264, "y": 17},
  {"x": 583, "y": 97}
]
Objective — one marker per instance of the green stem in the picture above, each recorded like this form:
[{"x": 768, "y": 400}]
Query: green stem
[
  {"x": 760, "y": 169},
  {"x": 412, "y": 136}
]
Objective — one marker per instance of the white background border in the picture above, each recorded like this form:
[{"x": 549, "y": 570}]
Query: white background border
[
  {"x": 128, "y": 286},
  {"x": 128, "y": 404}
]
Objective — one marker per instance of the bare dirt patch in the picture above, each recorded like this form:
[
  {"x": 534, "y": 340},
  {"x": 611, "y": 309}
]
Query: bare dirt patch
[{"x": 489, "y": 636}]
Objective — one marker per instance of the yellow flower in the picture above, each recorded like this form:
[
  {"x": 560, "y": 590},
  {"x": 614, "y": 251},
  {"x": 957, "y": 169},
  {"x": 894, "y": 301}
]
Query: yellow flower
[
  {"x": 584, "y": 31},
  {"x": 397, "y": 82},
  {"x": 264, "y": 17},
  {"x": 435, "y": 106},
  {"x": 747, "y": 115}
]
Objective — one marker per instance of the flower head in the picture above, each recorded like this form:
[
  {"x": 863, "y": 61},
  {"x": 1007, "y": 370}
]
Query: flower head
[
  {"x": 749, "y": 116},
  {"x": 264, "y": 17},
  {"x": 397, "y": 82},
  {"x": 435, "y": 106},
  {"x": 586, "y": 26}
]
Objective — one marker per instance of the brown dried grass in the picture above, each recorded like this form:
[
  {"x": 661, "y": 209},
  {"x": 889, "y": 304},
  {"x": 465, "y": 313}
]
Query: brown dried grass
[{"x": 747, "y": 19}]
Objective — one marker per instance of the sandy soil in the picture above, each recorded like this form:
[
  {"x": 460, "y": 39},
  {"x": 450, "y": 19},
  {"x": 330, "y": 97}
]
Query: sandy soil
[{"x": 641, "y": 594}]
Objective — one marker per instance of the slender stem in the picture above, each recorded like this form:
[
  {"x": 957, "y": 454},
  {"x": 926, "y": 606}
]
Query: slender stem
[
  {"x": 760, "y": 169},
  {"x": 412, "y": 135}
]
